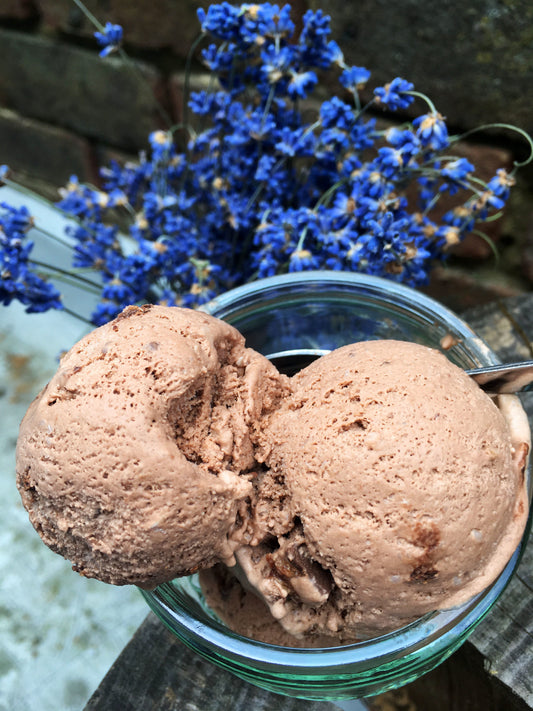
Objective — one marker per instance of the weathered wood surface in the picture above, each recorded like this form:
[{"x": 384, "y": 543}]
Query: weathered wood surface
[
  {"x": 493, "y": 671},
  {"x": 505, "y": 639},
  {"x": 156, "y": 672}
]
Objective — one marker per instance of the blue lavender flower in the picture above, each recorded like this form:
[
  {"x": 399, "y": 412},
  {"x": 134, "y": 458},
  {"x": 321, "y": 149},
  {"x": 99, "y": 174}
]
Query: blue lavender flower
[
  {"x": 316, "y": 49},
  {"x": 162, "y": 145},
  {"x": 405, "y": 140},
  {"x": 300, "y": 84},
  {"x": 336, "y": 113},
  {"x": 501, "y": 184},
  {"x": 93, "y": 242},
  {"x": 271, "y": 21},
  {"x": 432, "y": 131},
  {"x": 455, "y": 174},
  {"x": 295, "y": 142},
  {"x": 220, "y": 62},
  {"x": 462, "y": 217},
  {"x": 354, "y": 78},
  {"x": 395, "y": 95},
  {"x": 18, "y": 280},
  {"x": 303, "y": 260},
  {"x": 390, "y": 162},
  {"x": 486, "y": 200},
  {"x": 447, "y": 236},
  {"x": 362, "y": 134},
  {"x": 428, "y": 189},
  {"x": 16, "y": 221},
  {"x": 110, "y": 39},
  {"x": 222, "y": 21},
  {"x": 265, "y": 185}
]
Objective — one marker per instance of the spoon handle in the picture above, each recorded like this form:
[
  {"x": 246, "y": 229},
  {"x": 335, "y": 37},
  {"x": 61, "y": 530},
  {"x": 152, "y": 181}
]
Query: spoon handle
[
  {"x": 507, "y": 378},
  {"x": 495, "y": 379}
]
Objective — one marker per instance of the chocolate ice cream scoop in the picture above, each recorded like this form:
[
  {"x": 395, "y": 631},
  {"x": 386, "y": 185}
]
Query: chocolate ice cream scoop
[
  {"x": 135, "y": 460},
  {"x": 406, "y": 479}
]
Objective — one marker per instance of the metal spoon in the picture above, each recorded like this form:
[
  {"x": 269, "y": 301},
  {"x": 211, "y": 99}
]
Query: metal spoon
[
  {"x": 495, "y": 379},
  {"x": 506, "y": 378}
]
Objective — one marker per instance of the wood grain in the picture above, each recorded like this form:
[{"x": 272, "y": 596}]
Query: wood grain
[{"x": 156, "y": 672}]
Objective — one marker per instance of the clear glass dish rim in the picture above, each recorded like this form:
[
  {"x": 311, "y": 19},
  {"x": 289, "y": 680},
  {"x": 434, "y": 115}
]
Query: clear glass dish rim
[
  {"x": 435, "y": 631},
  {"x": 432, "y": 633},
  {"x": 385, "y": 290}
]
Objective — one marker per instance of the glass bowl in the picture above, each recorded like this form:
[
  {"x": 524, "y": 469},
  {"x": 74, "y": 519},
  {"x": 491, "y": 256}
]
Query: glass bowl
[{"x": 289, "y": 318}]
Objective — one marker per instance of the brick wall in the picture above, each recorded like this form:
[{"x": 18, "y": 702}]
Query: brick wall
[{"x": 64, "y": 110}]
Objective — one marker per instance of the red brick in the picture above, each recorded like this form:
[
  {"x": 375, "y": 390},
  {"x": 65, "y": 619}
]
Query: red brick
[
  {"x": 106, "y": 99},
  {"x": 18, "y": 10},
  {"x": 459, "y": 290},
  {"x": 43, "y": 152},
  {"x": 147, "y": 24},
  {"x": 475, "y": 63}
]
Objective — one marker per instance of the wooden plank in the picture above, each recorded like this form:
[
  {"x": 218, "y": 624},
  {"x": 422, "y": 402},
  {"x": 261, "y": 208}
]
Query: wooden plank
[
  {"x": 506, "y": 639},
  {"x": 156, "y": 672},
  {"x": 506, "y": 325},
  {"x": 462, "y": 683},
  {"x": 493, "y": 671}
]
